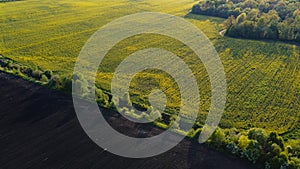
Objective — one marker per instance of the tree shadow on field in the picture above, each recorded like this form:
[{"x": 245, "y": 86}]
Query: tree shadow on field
[{"x": 200, "y": 156}]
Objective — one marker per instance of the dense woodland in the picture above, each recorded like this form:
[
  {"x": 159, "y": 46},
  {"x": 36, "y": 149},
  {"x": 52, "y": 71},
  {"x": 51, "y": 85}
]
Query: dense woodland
[{"x": 256, "y": 19}]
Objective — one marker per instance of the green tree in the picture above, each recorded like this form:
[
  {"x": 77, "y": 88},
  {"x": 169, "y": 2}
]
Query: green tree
[
  {"x": 274, "y": 138},
  {"x": 102, "y": 98},
  {"x": 230, "y": 22},
  {"x": 37, "y": 74},
  {"x": 253, "y": 14},
  {"x": 55, "y": 82},
  {"x": 252, "y": 152},
  {"x": 241, "y": 18},
  {"x": 218, "y": 138},
  {"x": 48, "y": 73},
  {"x": 259, "y": 135},
  {"x": 44, "y": 78},
  {"x": 243, "y": 142}
]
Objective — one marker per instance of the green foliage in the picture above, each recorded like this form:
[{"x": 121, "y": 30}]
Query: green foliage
[
  {"x": 218, "y": 138},
  {"x": 26, "y": 71},
  {"x": 102, "y": 98},
  {"x": 294, "y": 148},
  {"x": 55, "y": 82},
  {"x": 252, "y": 151},
  {"x": 258, "y": 147},
  {"x": 44, "y": 78},
  {"x": 243, "y": 142},
  {"x": 294, "y": 163},
  {"x": 37, "y": 74},
  {"x": 274, "y": 138},
  {"x": 48, "y": 74},
  {"x": 256, "y": 19},
  {"x": 280, "y": 161},
  {"x": 259, "y": 135},
  {"x": 232, "y": 148},
  {"x": 241, "y": 18}
]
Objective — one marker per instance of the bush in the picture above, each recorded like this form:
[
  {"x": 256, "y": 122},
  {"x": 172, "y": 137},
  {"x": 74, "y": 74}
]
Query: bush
[
  {"x": 44, "y": 78},
  {"x": 252, "y": 152},
  {"x": 102, "y": 98},
  {"x": 218, "y": 138},
  {"x": 274, "y": 138},
  {"x": 294, "y": 148},
  {"x": 294, "y": 163},
  {"x": 16, "y": 71},
  {"x": 275, "y": 150},
  {"x": 243, "y": 142},
  {"x": 37, "y": 74},
  {"x": 26, "y": 71},
  {"x": 12, "y": 66},
  {"x": 55, "y": 82},
  {"x": 259, "y": 135},
  {"x": 4, "y": 63},
  {"x": 67, "y": 84},
  {"x": 232, "y": 148},
  {"x": 48, "y": 73}
]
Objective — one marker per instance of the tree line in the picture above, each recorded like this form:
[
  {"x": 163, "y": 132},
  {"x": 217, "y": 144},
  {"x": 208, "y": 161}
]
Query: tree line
[
  {"x": 267, "y": 150},
  {"x": 256, "y": 19}
]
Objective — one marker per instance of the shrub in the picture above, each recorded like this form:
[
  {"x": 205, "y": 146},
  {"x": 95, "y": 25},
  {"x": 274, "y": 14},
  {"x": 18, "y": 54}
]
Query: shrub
[
  {"x": 232, "y": 148},
  {"x": 101, "y": 98},
  {"x": 12, "y": 66},
  {"x": 48, "y": 73},
  {"x": 44, "y": 78},
  {"x": 67, "y": 84},
  {"x": 294, "y": 148},
  {"x": 279, "y": 162},
  {"x": 26, "y": 71},
  {"x": 243, "y": 142},
  {"x": 259, "y": 135},
  {"x": 274, "y": 138},
  {"x": 218, "y": 138},
  {"x": 294, "y": 163},
  {"x": 252, "y": 152},
  {"x": 55, "y": 82},
  {"x": 16, "y": 71},
  {"x": 37, "y": 74},
  {"x": 275, "y": 150},
  {"x": 4, "y": 63}
]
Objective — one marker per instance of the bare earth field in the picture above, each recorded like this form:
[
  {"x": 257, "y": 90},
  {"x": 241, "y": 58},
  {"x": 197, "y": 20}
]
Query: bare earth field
[{"x": 39, "y": 129}]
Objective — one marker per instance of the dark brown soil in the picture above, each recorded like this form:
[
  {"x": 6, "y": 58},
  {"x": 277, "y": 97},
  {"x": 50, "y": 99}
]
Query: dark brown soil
[{"x": 39, "y": 130}]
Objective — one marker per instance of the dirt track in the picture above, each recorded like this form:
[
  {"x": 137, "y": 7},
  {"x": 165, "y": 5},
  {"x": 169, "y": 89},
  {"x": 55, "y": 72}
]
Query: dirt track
[{"x": 39, "y": 130}]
